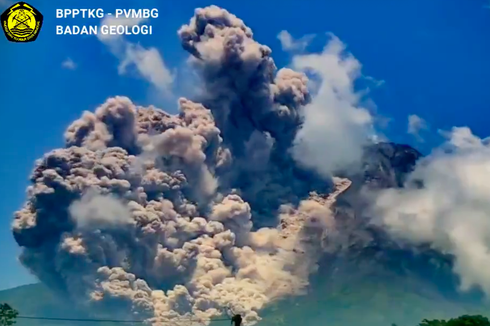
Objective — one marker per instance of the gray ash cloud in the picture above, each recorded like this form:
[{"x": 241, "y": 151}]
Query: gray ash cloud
[{"x": 184, "y": 215}]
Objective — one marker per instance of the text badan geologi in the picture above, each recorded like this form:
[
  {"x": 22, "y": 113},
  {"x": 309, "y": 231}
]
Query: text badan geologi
[{"x": 106, "y": 29}]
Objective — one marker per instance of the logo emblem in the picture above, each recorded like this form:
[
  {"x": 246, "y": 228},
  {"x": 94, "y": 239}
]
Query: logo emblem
[{"x": 21, "y": 22}]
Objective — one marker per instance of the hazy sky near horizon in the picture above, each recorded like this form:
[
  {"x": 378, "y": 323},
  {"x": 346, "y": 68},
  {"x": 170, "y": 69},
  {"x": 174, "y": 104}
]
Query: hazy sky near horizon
[{"x": 430, "y": 61}]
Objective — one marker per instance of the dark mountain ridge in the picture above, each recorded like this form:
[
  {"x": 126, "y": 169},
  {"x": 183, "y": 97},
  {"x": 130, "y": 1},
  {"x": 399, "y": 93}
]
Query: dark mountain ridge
[{"x": 368, "y": 246}]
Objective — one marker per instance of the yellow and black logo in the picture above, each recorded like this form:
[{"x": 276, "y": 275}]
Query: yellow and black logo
[{"x": 21, "y": 23}]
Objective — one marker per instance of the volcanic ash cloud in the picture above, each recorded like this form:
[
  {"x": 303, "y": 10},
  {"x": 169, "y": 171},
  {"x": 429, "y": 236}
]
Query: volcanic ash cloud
[{"x": 168, "y": 216}]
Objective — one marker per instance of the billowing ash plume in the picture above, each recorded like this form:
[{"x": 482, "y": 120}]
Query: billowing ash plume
[{"x": 173, "y": 216}]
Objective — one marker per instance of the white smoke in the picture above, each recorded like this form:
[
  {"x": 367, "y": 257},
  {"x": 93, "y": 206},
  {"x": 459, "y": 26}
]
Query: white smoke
[
  {"x": 451, "y": 210},
  {"x": 148, "y": 62},
  {"x": 336, "y": 127},
  {"x": 415, "y": 126},
  {"x": 288, "y": 43},
  {"x": 96, "y": 211}
]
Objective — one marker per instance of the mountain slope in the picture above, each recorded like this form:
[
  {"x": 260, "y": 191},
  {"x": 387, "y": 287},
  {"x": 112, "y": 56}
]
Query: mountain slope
[
  {"x": 371, "y": 282},
  {"x": 373, "y": 279},
  {"x": 38, "y": 301},
  {"x": 367, "y": 299},
  {"x": 32, "y": 300}
]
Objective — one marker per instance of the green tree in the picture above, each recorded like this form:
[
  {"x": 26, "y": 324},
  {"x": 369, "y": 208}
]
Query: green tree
[
  {"x": 7, "y": 315},
  {"x": 433, "y": 322},
  {"x": 465, "y": 320}
]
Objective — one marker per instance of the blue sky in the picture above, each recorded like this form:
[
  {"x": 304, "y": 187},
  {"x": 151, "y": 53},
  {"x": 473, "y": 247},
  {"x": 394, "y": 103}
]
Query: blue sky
[{"x": 433, "y": 57}]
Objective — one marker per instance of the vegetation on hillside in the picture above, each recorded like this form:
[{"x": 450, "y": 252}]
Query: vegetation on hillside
[
  {"x": 465, "y": 320},
  {"x": 38, "y": 300},
  {"x": 7, "y": 315},
  {"x": 371, "y": 303}
]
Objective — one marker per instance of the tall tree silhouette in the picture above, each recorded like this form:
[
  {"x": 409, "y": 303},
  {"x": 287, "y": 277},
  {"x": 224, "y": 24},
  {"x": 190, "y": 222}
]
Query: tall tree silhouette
[{"x": 7, "y": 315}]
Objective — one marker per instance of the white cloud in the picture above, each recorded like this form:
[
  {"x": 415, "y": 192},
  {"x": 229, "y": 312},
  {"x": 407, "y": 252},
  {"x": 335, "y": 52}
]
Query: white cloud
[
  {"x": 147, "y": 61},
  {"x": 288, "y": 43},
  {"x": 95, "y": 210},
  {"x": 415, "y": 125},
  {"x": 336, "y": 127},
  {"x": 452, "y": 210},
  {"x": 113, "y": 21},
  {"x": 69, "y": 64}
]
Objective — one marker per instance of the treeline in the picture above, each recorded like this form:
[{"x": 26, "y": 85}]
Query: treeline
[{"x": 465, "y": 320}]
